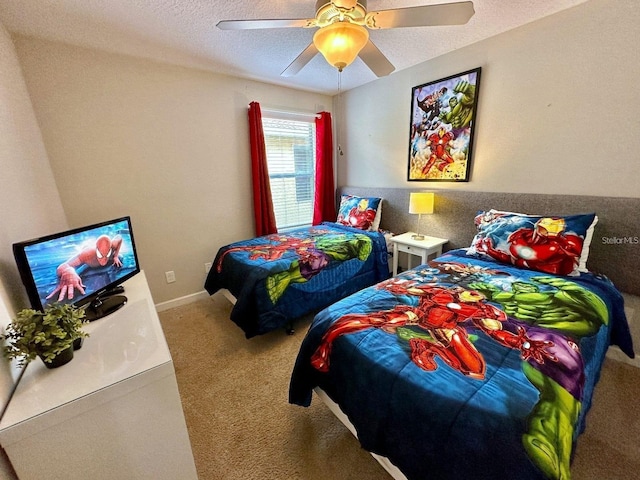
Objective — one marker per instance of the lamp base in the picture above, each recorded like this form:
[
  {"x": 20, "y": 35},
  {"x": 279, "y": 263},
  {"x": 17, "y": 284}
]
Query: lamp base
[{"x": 417, "y": 236}]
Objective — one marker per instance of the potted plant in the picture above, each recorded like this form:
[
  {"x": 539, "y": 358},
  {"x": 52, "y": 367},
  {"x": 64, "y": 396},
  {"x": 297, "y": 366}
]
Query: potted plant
[{"x": 48, "y": 334}]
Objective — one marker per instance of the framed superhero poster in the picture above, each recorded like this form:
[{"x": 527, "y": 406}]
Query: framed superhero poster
[{"x": 443, "y": 119}]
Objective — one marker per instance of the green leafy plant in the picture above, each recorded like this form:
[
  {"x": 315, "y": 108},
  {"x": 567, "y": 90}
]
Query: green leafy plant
[{"x": 45, "y": 334}]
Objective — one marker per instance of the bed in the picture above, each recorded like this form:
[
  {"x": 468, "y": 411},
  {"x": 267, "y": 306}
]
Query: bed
[
  {"x": 276, "y": 279},
  {"x": 481, "y": 364}
]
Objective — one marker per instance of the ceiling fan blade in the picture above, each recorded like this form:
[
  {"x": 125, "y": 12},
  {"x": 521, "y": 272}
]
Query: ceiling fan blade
[
  {"x": 457, "y": 13},
  {"x": 255, "y": 24},
  {"x": 376, "y": 60},
  {"x": 301, "y": 60}
]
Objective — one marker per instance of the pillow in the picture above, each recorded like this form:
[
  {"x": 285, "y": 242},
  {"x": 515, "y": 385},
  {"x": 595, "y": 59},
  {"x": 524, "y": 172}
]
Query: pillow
[
  {"x": 551, "y": 244},
  {"x": 360, "y": 212}
]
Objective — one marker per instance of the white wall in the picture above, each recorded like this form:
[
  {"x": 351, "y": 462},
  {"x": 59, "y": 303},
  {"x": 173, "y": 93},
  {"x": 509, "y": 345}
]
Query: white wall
[
  {"x": 557, "y": 111},
  {"x": 30, "y": 202},
  {"x": 167, "y": 145}
]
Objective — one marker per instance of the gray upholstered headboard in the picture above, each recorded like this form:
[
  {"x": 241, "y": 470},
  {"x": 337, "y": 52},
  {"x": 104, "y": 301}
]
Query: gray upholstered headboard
[{"x": 615, "y": 247}]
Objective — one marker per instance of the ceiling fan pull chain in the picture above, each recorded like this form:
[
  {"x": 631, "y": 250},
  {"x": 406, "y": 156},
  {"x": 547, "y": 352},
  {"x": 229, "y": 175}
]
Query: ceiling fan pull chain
[{"x": 339, "y": 113}]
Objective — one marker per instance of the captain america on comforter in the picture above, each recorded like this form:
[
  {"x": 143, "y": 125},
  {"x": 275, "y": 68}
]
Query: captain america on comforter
[{"x": 466, "y": 368}]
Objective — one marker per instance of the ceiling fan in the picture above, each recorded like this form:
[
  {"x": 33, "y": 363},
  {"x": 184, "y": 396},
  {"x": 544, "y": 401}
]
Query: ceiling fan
[{"x": 343, "y": 34}]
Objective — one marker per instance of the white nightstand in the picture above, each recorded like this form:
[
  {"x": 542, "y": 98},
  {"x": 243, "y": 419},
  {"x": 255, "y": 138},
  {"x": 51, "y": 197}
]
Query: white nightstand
[{"x": 420, "y": 248}]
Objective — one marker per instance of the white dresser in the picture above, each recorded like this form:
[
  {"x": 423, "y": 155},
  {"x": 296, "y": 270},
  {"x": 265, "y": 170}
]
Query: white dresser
[{"x": 113, "y": 412}]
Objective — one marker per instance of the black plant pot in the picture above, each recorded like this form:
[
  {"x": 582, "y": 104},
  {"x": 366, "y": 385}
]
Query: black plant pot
[
  {"x": 62, "y": 358},
  {"x": 77, "y": 343}
]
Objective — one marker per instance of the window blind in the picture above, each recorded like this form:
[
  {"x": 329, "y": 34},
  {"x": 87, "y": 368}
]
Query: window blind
[{"x": 290, "y": 146}]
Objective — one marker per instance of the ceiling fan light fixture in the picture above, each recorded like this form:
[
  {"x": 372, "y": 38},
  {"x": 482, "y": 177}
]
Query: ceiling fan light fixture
[{"x": 341, "y": 42}]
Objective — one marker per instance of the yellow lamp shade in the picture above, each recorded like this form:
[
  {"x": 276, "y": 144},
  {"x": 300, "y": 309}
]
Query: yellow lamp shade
[
  {"x": 340, "y": 42},
  {"x": 421, "y": 203}
]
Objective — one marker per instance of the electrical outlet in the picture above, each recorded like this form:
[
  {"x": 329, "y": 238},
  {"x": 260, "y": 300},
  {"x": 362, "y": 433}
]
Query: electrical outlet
[
  {"x": 207, "y": 267},
  {"x": 170, "y": 276}
]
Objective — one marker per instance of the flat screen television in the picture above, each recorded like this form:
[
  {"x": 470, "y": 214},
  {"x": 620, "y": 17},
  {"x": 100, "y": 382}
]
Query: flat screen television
[{"x": 84, "y": 266}]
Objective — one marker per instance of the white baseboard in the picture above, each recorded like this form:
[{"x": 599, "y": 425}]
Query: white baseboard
[
  {"x": 178, "y": 302},
  {"x": 614, "y": 353},
  {"x": 228, "y": 295}
]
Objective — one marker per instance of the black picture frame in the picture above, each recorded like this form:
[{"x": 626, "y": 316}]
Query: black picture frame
[{"x": 442, "y": 128}]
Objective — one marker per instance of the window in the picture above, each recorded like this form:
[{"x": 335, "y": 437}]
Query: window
[{"x": 290, "y": 145}]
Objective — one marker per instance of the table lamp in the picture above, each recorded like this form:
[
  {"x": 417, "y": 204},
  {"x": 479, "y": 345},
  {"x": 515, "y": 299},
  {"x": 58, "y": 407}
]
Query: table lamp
[{"x": 420, "y": 203}]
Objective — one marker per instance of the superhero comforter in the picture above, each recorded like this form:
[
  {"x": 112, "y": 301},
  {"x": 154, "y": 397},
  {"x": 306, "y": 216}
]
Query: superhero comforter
[
  {"x": 278, "y": 278},
  {"x": 465, "y": 368}
]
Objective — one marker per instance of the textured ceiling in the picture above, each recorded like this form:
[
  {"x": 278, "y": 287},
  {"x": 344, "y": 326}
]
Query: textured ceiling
[{"x": 184, "y": 32}]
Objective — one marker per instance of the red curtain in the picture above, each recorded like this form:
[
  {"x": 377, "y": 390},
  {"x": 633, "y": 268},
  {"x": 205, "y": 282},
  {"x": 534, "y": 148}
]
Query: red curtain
[
  {"x": 324, "y": 206},
  {"x": 265, "y": 219}
]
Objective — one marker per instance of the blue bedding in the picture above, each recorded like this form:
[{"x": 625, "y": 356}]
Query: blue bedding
[
  {"x": 281, "y": 277},
  {"x": 465, "y": 368}
]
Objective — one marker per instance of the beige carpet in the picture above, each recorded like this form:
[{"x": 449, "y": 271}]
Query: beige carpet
[{"x": 234, "y": 395}]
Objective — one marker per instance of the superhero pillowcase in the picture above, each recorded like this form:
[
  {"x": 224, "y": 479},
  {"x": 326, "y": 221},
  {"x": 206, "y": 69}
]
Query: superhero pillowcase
[
  {"x": 550, "y": 244},
  {"x": 362, "y": 213}
]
